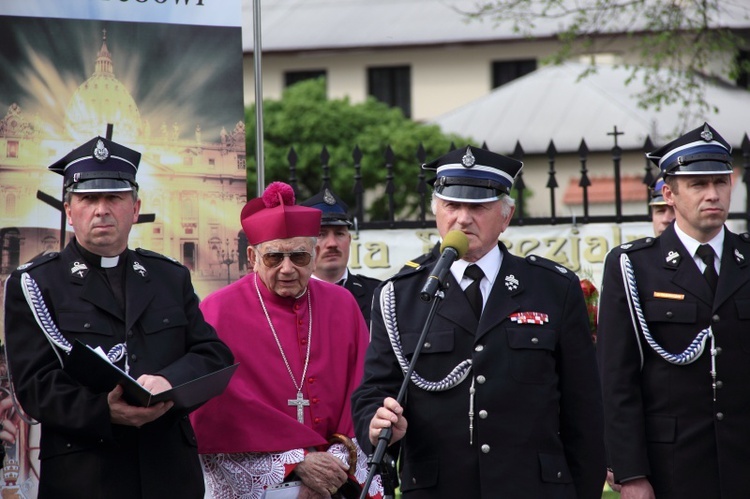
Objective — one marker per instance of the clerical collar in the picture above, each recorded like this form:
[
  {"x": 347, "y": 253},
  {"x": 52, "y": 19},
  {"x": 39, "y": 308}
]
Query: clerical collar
[{"x": 103, "y": 262}]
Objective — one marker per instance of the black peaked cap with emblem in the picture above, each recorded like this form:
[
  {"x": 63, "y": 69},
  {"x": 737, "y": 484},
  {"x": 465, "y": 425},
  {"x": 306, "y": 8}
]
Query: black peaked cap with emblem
[
  {"x": 473, "y": 175},
  {"x": 699, "y": 152},
  {"x": 335, "y": 211},
  {"x": 99, "y": 165}
]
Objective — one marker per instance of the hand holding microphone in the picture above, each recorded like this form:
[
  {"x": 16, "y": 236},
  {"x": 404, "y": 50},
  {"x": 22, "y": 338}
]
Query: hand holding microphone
[{"x": 454, "y": 246}]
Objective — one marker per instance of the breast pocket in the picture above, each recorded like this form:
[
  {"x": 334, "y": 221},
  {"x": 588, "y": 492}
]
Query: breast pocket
[
  {"x": 84, "y": 324},
  {"x": 158, "y": 321},
  {"x": 532, "y": 354},
  {"x": 436, "y": 342}
]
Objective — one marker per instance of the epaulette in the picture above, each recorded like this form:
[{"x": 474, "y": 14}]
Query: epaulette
[
  {"x": 39, "y": 260},
  {"x": 636, "y": 245},
  {"x": 413, "y": 266},
  {"x": 550, "y": 265},
  {"x": 153, "y": 254}
]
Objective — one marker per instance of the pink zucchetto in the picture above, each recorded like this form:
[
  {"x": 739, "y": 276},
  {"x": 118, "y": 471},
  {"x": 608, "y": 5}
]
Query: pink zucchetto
[{"x": 275, "y": 216}]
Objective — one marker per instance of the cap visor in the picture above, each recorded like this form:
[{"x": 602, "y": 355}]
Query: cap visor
[
  {"x": 102, "y": 185},
  {"x": 467, "y": 193}
]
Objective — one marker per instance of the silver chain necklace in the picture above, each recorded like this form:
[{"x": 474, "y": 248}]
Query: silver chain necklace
[{"x": 299, "y": 401}]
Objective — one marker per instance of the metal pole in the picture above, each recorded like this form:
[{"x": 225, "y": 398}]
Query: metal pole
[{"x": 257, "y": 50}]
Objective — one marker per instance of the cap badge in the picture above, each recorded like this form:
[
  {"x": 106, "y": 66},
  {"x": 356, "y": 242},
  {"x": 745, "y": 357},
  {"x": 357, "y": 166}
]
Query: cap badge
[
  {"x": 101, "y": 154},
  {"x": 139, "y": 269},
  {"x": 511, "y": 282},
  {"x": 468, "y": 160},
  {"x": 79, "y": 269},
  {"x": 706, "y": 134},
  {"x": 673, "y": 257},
  {"x": 328, "y": 198}
]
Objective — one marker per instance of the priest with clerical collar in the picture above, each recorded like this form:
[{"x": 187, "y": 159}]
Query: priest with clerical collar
[{"x": 300, "y": 342}]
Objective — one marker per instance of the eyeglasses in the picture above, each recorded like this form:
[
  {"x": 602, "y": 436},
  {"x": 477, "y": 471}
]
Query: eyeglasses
[{"x": 273, "y": 258}]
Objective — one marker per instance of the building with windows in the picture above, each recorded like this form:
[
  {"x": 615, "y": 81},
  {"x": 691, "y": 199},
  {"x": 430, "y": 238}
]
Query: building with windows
[{"x": 486, "y": 81}]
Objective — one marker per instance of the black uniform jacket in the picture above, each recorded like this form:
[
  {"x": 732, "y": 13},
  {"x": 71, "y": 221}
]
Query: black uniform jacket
[
  {"x": 362, "y": 287},
  {"x": 82, "y": 453},
  {"x": 537, "y": 424},
  {"x": 661, "y": 419}
]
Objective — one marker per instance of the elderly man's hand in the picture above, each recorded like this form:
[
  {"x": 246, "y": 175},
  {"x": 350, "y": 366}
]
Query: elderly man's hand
[
  {"x": 324, "y": 473},
  {"x": 391, "y": 414}
]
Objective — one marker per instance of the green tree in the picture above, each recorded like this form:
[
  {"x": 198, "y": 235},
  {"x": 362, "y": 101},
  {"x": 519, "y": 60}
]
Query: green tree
[
  {"x": 304, "y": 118},
  {"x": 687, "y": 36}
]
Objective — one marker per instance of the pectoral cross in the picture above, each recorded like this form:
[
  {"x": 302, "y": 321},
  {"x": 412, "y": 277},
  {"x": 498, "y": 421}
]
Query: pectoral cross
[{"x": 300, "y": 402}]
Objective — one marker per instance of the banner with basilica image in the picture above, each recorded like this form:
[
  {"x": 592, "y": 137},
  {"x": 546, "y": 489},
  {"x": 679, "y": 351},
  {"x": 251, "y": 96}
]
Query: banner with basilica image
[{"x": 167, "y": 74}]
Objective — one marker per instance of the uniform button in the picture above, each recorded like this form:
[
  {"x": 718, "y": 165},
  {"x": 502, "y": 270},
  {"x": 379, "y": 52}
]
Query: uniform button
[
  {"x": 299, "y": 322},
  {"x": 315, "y": 400},
  {"x": 719, "y": 416},
  {"x": 69, "y": 446},
  {"x": 130, "y": 333},
  {"x": 670, "y": 315},
  {"x": 719, "y": 384},
  {"x": 133, "y": 357},
  {"x": 317, "y": 420},
  {"x": 414, "y": 480},
  {"x": 101, "y": 440},
  {"x": 481, "y": 379},
  {"x": 559, "y": 474},
  {"x": 165, "y": 321},
  {"x": 486, "y": 448},
  {"x": 311, "y": 379},
  {"x": 427, "y": 345},
  {"x": 532, "y": 258},
  {"x": 716, "y": 318},
  {"x": 483, "y": 414},
  {"x": 479, "y": 348},
  {"x": 718, "y": 350},
  {"x": 535, "y": 340},
  {"x": 303, "y": 341},
  {"x": 87, "y": 325}
]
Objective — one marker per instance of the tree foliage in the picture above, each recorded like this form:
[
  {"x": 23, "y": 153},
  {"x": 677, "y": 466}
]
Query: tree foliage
[
  {"x": 305, "y": 119},
  {"x": 687, "y": 36}
]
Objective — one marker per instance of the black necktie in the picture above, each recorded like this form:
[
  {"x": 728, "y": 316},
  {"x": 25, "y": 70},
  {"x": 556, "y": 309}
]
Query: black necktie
[
  {"x": 473, "y": 293},
  {"x": 706, "y": 253}
]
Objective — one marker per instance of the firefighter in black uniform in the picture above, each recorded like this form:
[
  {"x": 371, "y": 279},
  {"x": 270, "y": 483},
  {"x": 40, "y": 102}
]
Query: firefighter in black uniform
[
  {"x": 140, "y": 308},
  {"x": 674, "y": 345},
  {"x": 505, "y": 399}
]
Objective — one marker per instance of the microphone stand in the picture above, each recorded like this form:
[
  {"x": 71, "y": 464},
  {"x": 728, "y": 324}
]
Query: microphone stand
[{"x": 386, "y": 433}]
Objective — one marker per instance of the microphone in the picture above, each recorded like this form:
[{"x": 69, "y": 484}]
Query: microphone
[{"x": 454, "y": 246}]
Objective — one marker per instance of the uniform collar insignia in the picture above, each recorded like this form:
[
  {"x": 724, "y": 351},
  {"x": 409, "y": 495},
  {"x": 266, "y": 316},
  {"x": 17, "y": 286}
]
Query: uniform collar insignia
[
  {"x": 673, "y": 258},
  {"x": 24, "y": 266},
  {"x": 511, "y": 282},
  {"x": 79, "y": 269},
  {"x": 625, "y": 246},
  {"x": 529, "y": 317},
  {"x": 140, "y": 269},
  {"x": 562, "y": 269},
  {"x": 739, "y": 257}
]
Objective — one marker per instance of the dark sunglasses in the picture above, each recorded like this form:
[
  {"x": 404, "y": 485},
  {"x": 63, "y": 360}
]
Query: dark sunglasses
[{"x": 273, "y": 258}]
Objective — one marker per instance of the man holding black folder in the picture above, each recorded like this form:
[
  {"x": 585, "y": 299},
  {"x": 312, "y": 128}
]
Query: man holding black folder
[
  {"x": 140, "y": 308},
  {"x": 504, "y": 399}
]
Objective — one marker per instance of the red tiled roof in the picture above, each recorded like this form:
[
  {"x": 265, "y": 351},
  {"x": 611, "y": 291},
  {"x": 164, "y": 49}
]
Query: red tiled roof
[{"x": 602, "y": 190}]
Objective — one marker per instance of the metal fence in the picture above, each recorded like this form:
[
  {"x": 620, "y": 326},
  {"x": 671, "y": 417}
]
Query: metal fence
[{"x": 520, "y": 218}]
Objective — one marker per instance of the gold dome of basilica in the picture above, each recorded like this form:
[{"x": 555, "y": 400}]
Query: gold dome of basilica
[{"x": 100, "y": 100}]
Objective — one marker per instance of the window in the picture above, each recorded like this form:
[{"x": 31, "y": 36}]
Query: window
[
  {"x": 506, "y": 71},
  {"x": 391, "y": 85},
  {"x": 188, "y": 255},
  {"x": 743, "y": 76},
  {"x": 292, "y": 77},
  {"x": 12, "y": 149},
  {"x": 241, "y": 163}
]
